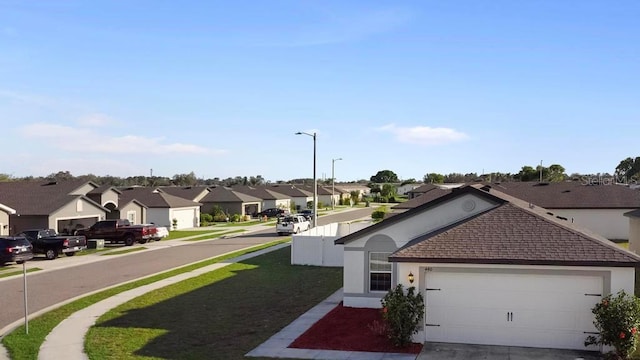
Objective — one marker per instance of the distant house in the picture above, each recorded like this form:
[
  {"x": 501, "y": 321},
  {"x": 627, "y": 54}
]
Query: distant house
[
  {"x": 299, "y": 197},
  {"x": 59, "y": 205},
  {"x": 347, "y": 188},
  {"x": 230, "y": 201},
  {"x": 5, "y": 211},
  {"x": 164, "y": 209},
  {"x": 493, "y": 269},
  {"x": 427, "y": 193},
  {"x": 193, "y": 193},
  {"x": 270, "y": 199},
  {"x": 414, "y": 193},
  {"x": 325, "y": 198},
  {"x": 404, "y": 189}
]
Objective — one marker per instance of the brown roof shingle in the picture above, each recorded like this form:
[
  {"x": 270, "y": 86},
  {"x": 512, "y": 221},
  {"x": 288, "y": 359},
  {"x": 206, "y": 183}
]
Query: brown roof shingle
[
  {"x": 39, "y": 197},
  {"x": 153, "y": 198}
]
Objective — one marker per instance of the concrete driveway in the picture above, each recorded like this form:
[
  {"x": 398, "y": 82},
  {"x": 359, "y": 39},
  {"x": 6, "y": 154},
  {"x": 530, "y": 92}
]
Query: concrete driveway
[{"x": 446, "y": 351}]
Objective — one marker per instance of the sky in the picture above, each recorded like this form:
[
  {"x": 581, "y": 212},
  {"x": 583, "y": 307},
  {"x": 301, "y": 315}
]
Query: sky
[{"x": 219, "y": 88}]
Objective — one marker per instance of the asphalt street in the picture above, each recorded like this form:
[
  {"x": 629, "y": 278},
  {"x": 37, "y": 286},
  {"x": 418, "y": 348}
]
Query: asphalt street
[{"x": 48, "y": 288}]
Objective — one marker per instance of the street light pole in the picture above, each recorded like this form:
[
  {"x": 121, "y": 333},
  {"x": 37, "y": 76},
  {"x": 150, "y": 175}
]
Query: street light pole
[
  {"x": 333, "y": 182},
  {"x": 315, "y": 179}
]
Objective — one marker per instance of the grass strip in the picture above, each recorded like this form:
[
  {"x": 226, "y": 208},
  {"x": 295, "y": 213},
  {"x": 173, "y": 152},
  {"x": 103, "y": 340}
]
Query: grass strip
[
  {"x": 17, "y": 272},
  {"x": 222, "y": 314},
  {"x": 124, "y": 251},
  {"x": 23, "y": 346},
  {"x": 200, "y": 238},
  {"x": 178, "y": 234}
]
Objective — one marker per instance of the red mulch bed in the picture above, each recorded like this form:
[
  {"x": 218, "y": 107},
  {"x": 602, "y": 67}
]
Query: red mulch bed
[{"x": 350, "y": 329}]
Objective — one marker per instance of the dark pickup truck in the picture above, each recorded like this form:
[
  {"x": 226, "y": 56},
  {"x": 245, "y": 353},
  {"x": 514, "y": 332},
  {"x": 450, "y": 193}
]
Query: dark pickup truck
[
  {"x": 47, "y": 242},
  {"x": 119, "y": 230}
]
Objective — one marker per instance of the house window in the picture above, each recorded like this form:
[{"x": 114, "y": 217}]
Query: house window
[
  {"x": 131, "y": 216},
  {"x": 379, "y": 271}
]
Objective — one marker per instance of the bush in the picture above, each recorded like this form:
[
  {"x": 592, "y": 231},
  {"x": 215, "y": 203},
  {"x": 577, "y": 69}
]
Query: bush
[
  {"x": 206, "y": 218},
  {"x": 379, "y": 213},
  {"x": 220, "y": 217},
  {"x": 617, "y": 320},
  {"x": 402, "y": 314},
  {"x": 320, "y": 204},
  {"x": 235, "y": 218}
]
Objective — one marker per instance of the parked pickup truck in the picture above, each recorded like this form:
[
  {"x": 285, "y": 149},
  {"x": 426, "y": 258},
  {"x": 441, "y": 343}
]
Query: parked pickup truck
[
  {"x": 47, "y": 242},
  {"x": 292, "y": 224},
  {"x": 119, "y": 230}
]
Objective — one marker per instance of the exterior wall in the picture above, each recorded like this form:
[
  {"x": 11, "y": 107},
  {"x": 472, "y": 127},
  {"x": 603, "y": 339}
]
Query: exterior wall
[
  {"x": 159, "y": 216},
  {"x": 20, "y": 223},
  {"x": 139, "y": 211},
  {"x": 76, "y": 209},
  {"x": 404, "y": 189},
  {"x": 4, "y": 223},
  {"x": 301, "y": 202},
  {"x": 610, "y": 223},
  {"x": 325, "y": 200},
  {"x": 634, "y": 234},
  {"x": 109, "y": 197},
  {"x": 193, "y": 219},
  {"x": 280, "y": 204}
]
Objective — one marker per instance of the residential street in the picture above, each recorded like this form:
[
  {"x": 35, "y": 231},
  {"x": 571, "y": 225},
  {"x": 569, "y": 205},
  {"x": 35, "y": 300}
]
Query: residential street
[{"x": 51, "y": 287}]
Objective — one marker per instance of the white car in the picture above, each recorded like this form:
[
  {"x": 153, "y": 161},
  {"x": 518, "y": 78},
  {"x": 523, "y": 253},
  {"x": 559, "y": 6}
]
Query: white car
[
  {"x": 161, "y": 232},
  {"x": 292, "y": 224}
]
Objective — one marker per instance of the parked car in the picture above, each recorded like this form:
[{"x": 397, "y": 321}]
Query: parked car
[
  {"x": 272, "y": 212},
  {"x": 47, "y": 242},
  {"x": 292, "y": 224},
  {"x": 119, "y": 230},
  {"x": 161, "y": 232},
  {"x": 15, "y": 248},
  {"x": 307, "y": 213}
]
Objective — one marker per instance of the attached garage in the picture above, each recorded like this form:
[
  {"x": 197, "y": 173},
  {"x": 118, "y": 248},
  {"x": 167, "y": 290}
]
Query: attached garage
[
  {"x": 551, "y": 310},
  {"x": 185, "y": 217}
]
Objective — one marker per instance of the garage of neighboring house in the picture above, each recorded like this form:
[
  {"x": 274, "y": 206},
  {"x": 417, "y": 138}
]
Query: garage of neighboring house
[
  {"x": 78, "y": 214},
  {"x": 163, "y": 209},
  {"x": 493, "y": 270},
  {"x": 5, "y": 211}
]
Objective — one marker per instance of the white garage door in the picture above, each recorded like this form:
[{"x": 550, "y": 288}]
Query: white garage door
[
  {"x": 185, "y": 217},
  {"x": 534, "y": 310}
]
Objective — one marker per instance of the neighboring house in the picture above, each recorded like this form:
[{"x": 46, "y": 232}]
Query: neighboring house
[
  {"x": 404, "y": 189},
  {"x": 324, "y": 194},
  {"x": 58, "y": 205},
  {"x": 299, "y": 197},
  {"x": 193, "y": 193},
  {"x": 425, "y": 196},
  {"x": 230, "y": 201},
  {"x": 600, "y": 208},
  {"x": 109, "y": 197},
  {"x": 634, "y": 230},
  {"x": 163, "y": 209},
  {"x": 5, "y": 211},
  {"x": 347, "y": 188},
  {"x": 493, "y": 269},
  {"x": 423, "y": 189},
  {"x": 270, "y": 199}
]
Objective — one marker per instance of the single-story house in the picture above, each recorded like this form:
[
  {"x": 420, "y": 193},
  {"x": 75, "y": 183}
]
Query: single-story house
[
  {"x": 5, "y": 211},
  {"x": 347, "y": 188},
  {"x": 230, "y": 201},
  {"x": 299, "y": 197},
  {"x": 403, "y": 189},
  {"x": 59, "y": 205},
  {"x": 493, "y": 269},
  {"x": 163, "y": 209},
  {"x": 428, "y": 193},
  {"x": 325, "y": 197},
  {"x": 193, "y": 193},
  {"x": 270, "y": 198},
  {"x": 109, "y": 197},
  {"x": 598, "y": 207},
  {"x": 427, "y": 188}
]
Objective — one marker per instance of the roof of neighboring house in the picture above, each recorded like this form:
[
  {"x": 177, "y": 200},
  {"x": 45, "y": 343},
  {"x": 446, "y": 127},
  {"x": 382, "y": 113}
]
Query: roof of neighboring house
[
  {"x": 322, "y": 190},
  {"x": 221, "y": 194},
  {"x": 510, "y": 232},
  {"x": 41, "y": 197},
  {"x": 153, "y": 198},
  {"x": 432, "y": 194},
  {"x": 187, "y": 192},
  {"x": 7, "y": 209},
  {"x": 572, "y": 195},
  {"x": 290, "y": 190},
  {"x": 260, "y": 192}
]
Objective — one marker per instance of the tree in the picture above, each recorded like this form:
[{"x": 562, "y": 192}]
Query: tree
[
  {"x": 388, "y": 191},
  {"x": 628, "y": 169},
  {"x": 385, "y": 176},
  {"x": 185, "y": 179},
  {"x": 555, "y": 173},
  {"x": 527, "y": 173},
  {"x": 408, "y": 181},
  {"x": 61, "y": 176},
  {"x": 433, "y": 178}
]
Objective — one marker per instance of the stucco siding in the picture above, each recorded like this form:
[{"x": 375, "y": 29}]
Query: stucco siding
[
  {"x": 77, "y": 209},
  {"x": 427, "y": 221},
  {"x": 83, "y": 190},
  {"x": 354, "y": 272},
  {"x": 137, "y": 209},
  {"x": 109, "y": 196},
  {"x": 610, "y": 223},
  {"x": 634, "y": 235},
  {"x": 4, "y": 223}
]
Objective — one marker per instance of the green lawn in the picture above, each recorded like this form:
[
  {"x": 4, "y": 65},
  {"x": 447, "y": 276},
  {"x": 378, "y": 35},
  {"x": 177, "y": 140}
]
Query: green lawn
[
  {"x": 25, "y": 347},
  {"x": 220, "y": 315},
  {"x": 177, "y": 234}
]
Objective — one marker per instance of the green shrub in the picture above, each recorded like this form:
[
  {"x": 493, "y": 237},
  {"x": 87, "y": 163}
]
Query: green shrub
[
  {"x": 235, "y": 218},
  {"x": 402, "y": 313},
  {"x": 205, "y": 218},
  {"x": 220, "y": 217},
  {"x": 617, "y": 320},
  {"x": 320, "y": 204},
  {"x": 174, "y": 223},
  {"x": 379, "y": 213}
]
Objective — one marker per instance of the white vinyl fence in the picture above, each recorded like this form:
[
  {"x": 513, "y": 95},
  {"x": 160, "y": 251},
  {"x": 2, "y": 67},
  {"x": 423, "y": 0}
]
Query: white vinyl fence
[{"x": 316, "y": 246}]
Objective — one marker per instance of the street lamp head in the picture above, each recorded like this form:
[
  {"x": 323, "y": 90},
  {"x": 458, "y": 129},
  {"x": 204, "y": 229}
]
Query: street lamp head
[{"x": 298, "y": 133}]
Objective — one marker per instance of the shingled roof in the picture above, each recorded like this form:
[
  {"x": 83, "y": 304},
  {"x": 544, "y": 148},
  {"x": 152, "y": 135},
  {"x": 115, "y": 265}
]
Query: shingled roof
[
  {"x": 186, "y": 192},
  {"x": 221, "y": 194},
  {"x": 260, "y": 192},
  {"x": 290, "y": 190},
  {"x": 510, "y": 232},
  {"x": 572, "y": 194},
  {"x": 40, "y": 197},
  {"x": 153, "y": 198},
  {"x": 433, "y": 193}
]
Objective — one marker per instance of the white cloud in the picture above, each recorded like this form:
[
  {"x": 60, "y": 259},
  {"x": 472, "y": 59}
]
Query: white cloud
[
  {"x": 95, "y": 120},
  {"x": 424, "y": 135},
  {"x": 79, "y": 139}
]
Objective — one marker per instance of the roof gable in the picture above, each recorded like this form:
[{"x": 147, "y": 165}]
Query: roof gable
[
  {"x": 221, "y": 194},
  {"x": 153, "y": 198},
  {"x": 40, "y": 197}
]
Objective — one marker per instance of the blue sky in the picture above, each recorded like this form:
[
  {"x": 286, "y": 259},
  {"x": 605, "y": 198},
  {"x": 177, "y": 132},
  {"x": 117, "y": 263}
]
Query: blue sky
[{"x": 220, "y": 87}]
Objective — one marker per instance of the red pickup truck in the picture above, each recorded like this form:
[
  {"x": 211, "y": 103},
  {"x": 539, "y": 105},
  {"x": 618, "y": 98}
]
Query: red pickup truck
[{"x": 119, "y": 230}]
